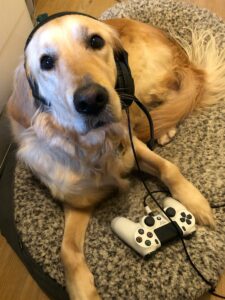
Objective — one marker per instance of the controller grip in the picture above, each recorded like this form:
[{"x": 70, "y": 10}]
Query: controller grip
[{"x": 125, "y": 229}]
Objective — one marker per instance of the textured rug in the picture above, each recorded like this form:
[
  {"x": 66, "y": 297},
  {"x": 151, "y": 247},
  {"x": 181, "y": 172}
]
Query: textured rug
[{"x": 198, "y": 149}]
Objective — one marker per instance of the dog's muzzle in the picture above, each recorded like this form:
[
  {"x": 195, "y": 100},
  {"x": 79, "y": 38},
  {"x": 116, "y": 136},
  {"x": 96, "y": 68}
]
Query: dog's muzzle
[{"x": 91, "y": 99}]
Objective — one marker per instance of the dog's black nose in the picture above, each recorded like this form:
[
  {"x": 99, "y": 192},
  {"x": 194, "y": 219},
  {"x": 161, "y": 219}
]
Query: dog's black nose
[{"x": 91, "y": 99}]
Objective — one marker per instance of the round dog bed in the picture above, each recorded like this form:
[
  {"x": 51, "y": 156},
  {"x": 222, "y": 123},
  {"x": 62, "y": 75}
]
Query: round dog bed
[{"x": 198, "y": 149}]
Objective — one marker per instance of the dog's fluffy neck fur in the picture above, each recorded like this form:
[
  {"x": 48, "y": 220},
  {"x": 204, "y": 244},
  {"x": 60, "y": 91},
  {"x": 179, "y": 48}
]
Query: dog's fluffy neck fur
[{"x": 97, "y": 160}]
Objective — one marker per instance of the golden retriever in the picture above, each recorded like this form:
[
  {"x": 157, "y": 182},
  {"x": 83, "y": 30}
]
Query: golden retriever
[{"x": 72, "y": 131}]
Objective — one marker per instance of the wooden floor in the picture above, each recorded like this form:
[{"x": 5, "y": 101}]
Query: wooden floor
[
  {"x": 96, "y": 7},
  {"x": 15, "y": 282}
]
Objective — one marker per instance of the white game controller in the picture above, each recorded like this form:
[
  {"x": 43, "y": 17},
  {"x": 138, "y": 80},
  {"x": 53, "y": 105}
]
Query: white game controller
[{"x": 154, "y": 231}]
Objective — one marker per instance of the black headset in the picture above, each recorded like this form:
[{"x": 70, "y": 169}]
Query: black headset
[{"x": 124, "y": 83}]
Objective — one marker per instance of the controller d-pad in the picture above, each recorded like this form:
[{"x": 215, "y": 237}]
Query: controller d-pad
[
  {"x": 186, "y": 218},
  {"x": 149, "y": 221},
  {"x": 170, "y": 212}
]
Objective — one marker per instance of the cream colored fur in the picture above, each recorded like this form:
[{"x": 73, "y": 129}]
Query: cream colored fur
[{"x": 204, "y": 52}]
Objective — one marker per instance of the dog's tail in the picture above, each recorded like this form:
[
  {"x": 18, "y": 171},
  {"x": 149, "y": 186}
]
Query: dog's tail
[
  {"x": 204, "y": 53},
  {"x": 202, "y": 84}
]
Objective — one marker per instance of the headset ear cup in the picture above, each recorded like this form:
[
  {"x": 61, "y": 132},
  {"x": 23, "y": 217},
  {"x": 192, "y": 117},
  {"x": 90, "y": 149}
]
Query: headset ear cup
[
  {"x": 126, "y": 90},
  {"x": 125, "y": 82}
]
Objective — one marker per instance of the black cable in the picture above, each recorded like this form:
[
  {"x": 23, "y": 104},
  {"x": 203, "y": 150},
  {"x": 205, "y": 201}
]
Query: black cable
[
  {"x": 159, "y": 191},
  {"x": 218, "y": 206},
  {"x": 127, "y": 100},
  {"x": 212, "y": 288},
  {"x": 215, "y": 294},
  {"x": 150, "y": 143}
]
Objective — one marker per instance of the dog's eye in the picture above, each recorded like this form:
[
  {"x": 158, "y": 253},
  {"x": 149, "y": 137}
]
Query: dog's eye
[
  {"x": 47, "y": 62},
  {"x": 96, "y": 42}
]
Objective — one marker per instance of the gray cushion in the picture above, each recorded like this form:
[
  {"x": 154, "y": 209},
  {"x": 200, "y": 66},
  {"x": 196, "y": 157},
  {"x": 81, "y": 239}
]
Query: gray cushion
[{"x": 198, "y": 150}]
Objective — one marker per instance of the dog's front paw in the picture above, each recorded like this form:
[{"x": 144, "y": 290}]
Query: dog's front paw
[
  {"x": 203, "y": 214},
  {"x": 167, "y": 137},
  {"x": 196, "y": 203},
  {"x": 201, "y": 209}
]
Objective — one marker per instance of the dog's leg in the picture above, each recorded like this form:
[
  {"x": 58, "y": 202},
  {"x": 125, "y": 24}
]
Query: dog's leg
[
  {"x": 180, "y": 188},
  {"x": 79, "y": 280}
]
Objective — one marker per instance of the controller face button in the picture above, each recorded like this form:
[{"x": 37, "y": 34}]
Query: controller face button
[
  {"x": 170, "y": 212},
  {"x": 188, "y": 222},
  {"x": 149, "y": 234},
  {"x": 149, "y": 221},
  {"x": 183, "y": 214},
  {"x": 148, "y": 243},
  {"x": 189, "y": 216},
  {"x": 139, "y": 239},
  {"x": 141, "y": 231},
  {"x": 182, "y": 220}
]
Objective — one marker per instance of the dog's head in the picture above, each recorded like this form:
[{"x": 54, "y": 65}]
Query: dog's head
[{"x": 71, "y": 69}]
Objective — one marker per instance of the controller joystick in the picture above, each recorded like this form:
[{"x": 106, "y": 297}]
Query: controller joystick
[{"x": 149, "y": 221}]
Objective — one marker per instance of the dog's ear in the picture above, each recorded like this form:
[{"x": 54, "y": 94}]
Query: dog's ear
[
  {"x": 39, "y": 101},
  {"x": 21, "y": 106},
  {"x": 114, "y": 35}
]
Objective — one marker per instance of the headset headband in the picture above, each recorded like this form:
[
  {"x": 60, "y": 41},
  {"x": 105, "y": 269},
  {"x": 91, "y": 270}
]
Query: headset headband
[{"x": 52, "y": 17}]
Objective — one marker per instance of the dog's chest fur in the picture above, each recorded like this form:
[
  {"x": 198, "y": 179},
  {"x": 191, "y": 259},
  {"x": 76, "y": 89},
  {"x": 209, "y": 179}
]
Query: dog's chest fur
[{"x": 73, "y": 166}]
